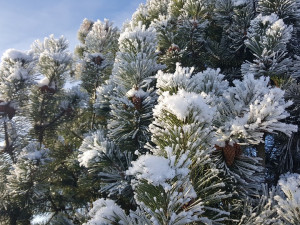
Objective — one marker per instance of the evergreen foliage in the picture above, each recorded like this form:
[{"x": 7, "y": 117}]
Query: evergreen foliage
[
  {"x": 99, "y": 44},
  {"x": 188, "y": 115},
  {"x": 133, "y": 97}
]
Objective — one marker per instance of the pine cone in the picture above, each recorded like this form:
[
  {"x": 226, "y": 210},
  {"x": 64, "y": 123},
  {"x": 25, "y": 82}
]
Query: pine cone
[
  {"x": 230, "y": 152},
  {"x": 6, "y": 109},
  {"x": 137, "y": 102},
  {"x": 98, "y": 60},
  {"x": 46, "y": 89}
]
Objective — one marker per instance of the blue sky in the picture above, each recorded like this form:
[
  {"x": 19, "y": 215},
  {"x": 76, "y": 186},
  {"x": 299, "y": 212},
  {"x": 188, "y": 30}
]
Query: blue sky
[{"x": 23, "y": 21}]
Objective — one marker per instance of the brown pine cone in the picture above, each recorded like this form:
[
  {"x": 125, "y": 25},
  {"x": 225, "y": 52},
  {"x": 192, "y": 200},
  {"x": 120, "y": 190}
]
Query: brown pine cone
[
  {"x": 46, "y": 89},
  {"x": 230, "y": 152},
  {"x": 98, "y": 60},
  {"x": 137, "y": 102},
  {"x": 6, "y": 109}
]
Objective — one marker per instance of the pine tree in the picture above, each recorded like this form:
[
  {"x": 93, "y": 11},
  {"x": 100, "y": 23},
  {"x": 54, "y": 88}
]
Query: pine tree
[
  {"x": 131, "y": 100},
  {"x": 287, "y": 204},
  {"x": 279, "y": 205},
  {"x": 184, "y": 117},
  {"x": 195, "y": 113},
  {"x": 96, "y": 55},
  {"x": 267, "y": 39},
  {"x": 229, "y": 35},
  {"x": 132, "y": 103},
  {"x": 47, "y": 95},
  {"x": 284, "y": 9},
  {"x": 232, "y": 105},
  {"x": 51, "y": 108},
  {"x": 281, "y": 65},
  {"x": 32, "y": 132},
  {"x": 26, "y": 183},
  {"x": 17, "y": 74}
]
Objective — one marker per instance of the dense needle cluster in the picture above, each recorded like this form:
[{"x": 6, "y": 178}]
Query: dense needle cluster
[{"x": 187, "y": 115}]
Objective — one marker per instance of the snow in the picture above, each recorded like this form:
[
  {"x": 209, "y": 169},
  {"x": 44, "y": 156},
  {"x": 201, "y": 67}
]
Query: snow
[
  {"x": 41, "y": 218},
  {"x": 278, "y": 25},
  {"x": 171, "y": 172},
  {"x": 209, "y": 81},
  {"x": 135, "y": 63},
  {"x": 141, "y": 37},
  {"x": 140, "y": 67},
  {"x": 44, "y": 81},
  {"x": 268, "y": 37},
  {"x": 18, "y": 73},
  {"x": 104, "y": 212},
  {"x": 151, "y": 6},
  {"x": 85, "y": 26},
  {"x": 91, "y": 149},
  {"x": 179, "y": 79},
  {"x": 87, "y": 157},
  {"x": 137, "y": 93},
  {"x": 69, "y": 84},
  {"x": 155, "y": 169},
  {"x": 267, "y": 19},
  {"x": 16, "y": 65},
  {"x": 244, "y": 111},
  {"x": 289, "y": 202},
  {"x": 290, "y": 185},
  {"x": 249, "y": 109},
  {"x": 34, "y": 153},
  {"x": 72, "y": 83},
  {"x": 101, "y": 37},
  {"x": 59, "y": 57},
  {"x": 16, "y": 55},
  {"x": 239, "y": 2},
  {"x": 162, "y": 23},
  {"x": 260, "y": 23},
  {"x": 281, "y": 31},
  {"x": 29, "y": 159},
  {"x": 160, "y": 171},
  {"x": 270, "y": 28},
  {"x": 182, "y": 104},
  {"x": 94, "y": 57},
  {"x": 248, "y": 90}
]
